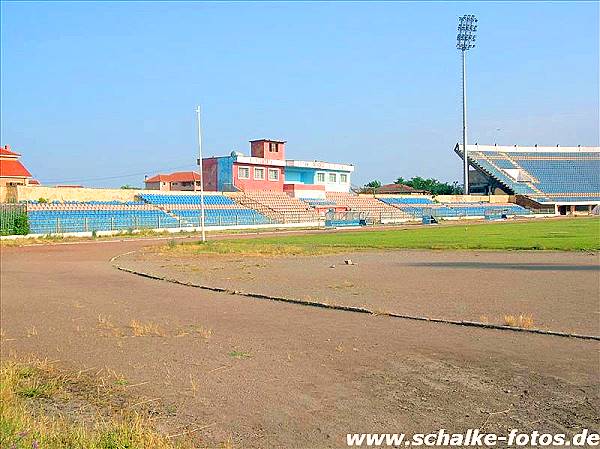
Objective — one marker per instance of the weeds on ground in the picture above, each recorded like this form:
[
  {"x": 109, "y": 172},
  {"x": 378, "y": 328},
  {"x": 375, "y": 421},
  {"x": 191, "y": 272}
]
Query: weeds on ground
[
  {"x": 239, "y": 354},
  {"x": 522, "y": 320},
  {"x": 141, "y": 329},
  {"x": 195, "y": 329},
  {"x": 40, "y": 408}
]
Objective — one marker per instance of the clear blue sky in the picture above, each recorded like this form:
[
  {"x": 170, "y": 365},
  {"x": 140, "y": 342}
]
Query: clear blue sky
[{"x": 96, "y": 90}]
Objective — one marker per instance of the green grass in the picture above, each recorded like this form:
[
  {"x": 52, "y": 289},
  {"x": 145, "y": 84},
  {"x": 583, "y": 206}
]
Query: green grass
[
  {"x": 576, "y": 234},
  {"x": 240, "y": 354},
  {"x": 38, "y": 409}
]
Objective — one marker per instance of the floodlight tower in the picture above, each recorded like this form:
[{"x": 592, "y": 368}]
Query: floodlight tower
[{"x": 465, "y": 40}]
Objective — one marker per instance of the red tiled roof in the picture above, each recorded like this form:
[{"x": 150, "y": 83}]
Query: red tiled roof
[
  {"x": 181, "y": 176},
  {"x": 13, "y": 168},
  {"x": 34, "y": 182},
  {"x": 6, "y": 151},
  {"x": 396, "y": 188}
]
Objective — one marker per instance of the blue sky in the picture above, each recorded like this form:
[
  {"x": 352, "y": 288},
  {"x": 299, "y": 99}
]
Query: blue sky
[{"x": 92, "y": 91}]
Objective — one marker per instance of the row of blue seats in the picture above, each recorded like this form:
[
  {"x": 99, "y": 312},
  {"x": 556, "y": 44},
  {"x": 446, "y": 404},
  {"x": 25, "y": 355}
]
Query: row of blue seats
[
  {"x": 517, "y": 187},
  {"x": 406, "y": 200},
  {"x": 573, "y": 173},
  {"x": 318, "y": 202},
  {"x": 95, "y": 212},
  {"x": 210, "y": 199},
  {"x": 90, "y": 203},
  {"x": 55, "y": 224},
  {"x": 464, "y": 211}
]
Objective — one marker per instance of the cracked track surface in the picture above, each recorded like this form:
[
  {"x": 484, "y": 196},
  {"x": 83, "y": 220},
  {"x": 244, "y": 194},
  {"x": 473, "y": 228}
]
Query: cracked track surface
[{"x": 271, "y": 374}]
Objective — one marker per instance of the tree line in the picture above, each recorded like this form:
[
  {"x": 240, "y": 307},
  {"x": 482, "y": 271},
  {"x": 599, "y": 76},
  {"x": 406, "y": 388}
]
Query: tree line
[{"x": 431, "y": 185}]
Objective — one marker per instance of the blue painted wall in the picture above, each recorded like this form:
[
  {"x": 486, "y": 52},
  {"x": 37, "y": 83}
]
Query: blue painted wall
[{"x": 225, "y": 173}]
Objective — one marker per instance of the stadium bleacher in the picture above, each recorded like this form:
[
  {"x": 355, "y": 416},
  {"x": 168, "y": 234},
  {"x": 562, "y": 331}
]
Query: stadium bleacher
[
  {"x": 373, "y": 208},
  {"x": 212, "y": 199},
  {"x": 457, "y": 210},
  {"x": 318, "y": 202},
  {"x": 416, "y": 206},
  {"x": 544, "y": 174},
  {"x": 406, "y": 200},
  {"x": 47, "y": 218},
  {"x": 219, "y": 210},
  {"x": 279, "y": 206}
]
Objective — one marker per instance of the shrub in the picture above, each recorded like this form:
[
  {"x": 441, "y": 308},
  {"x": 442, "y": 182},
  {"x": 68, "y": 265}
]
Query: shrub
[{"x": 21, "y": 224}]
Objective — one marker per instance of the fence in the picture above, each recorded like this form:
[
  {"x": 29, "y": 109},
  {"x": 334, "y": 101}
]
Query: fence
[
  {"x": 13, "y": 219},
  {"x": 72, "y": 223},
  {"x": 348, "y": 218}
]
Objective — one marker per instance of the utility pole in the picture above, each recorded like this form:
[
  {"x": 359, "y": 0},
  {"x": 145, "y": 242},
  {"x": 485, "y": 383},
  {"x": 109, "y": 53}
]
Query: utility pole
[
  {"x": 200, "y": 165},
  {"x": 465, "y": 40}
]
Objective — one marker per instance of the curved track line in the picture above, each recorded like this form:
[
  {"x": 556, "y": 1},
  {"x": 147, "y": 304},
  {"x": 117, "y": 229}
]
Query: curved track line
[{"x": 354, "y": 309}]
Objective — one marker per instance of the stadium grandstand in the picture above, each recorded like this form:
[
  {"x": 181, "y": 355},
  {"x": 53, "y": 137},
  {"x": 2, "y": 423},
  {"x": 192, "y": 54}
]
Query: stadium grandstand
[
  {"x": 219, "y": 210},
  {"x": 267, "y": 189},
  {"x": 564, "y": 178}
]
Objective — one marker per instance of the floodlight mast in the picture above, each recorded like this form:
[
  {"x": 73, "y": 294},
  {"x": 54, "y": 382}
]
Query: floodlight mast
[{"x": 465, "y": 40}]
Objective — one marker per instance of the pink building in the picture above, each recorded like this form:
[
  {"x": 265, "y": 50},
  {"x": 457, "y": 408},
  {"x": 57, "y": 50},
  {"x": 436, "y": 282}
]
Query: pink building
[{"x": 267, "y": 169}]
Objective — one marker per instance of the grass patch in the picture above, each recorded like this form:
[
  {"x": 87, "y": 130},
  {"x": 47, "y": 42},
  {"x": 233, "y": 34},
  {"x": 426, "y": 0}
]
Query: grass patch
[
  {"x": 575, "y": 234},
  {"x": 43, "y": 407},
  {"x": 524, "y": 321},
  {"x": 141, "y": 329},
  {"x": 240, "y": 355}
]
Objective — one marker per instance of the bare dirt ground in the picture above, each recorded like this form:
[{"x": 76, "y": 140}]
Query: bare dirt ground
[
  {"x": 559, "y": 290},
  {"x": 269, "y": 374}
]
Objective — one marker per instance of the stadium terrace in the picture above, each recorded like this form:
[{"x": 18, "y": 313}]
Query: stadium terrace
[
  {"x": 567, "y": 178},
  {"x": 265, "y": 189}
]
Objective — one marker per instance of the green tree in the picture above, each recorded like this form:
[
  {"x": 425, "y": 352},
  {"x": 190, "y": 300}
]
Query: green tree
[
  {"x": 374, "y": 184},
  {"x": 431, "y": 185}
]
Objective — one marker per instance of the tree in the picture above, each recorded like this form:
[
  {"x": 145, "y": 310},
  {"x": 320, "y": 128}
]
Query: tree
[
  {"x": 128, "y": 187},
  {"x": 374, "y": 184},
  {"x": 431, "y": 185}
]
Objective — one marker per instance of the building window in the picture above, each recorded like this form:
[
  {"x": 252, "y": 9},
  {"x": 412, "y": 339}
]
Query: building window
[
  {"x": 273, "y": 174},
  {"x": 332, "y": 177},
  {"x": 243, "y": 172},
  {"x": 259, "y": 174},
  {"x": 343, "y": 178},
  {"x": 273, "y": 147},
  {"x": 321, "y": 178}
]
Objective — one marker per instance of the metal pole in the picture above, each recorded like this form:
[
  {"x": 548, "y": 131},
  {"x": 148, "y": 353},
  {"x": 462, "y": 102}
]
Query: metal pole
[
  {"x": 465, "y": 152},
  {"x": 200, "y": 165}
]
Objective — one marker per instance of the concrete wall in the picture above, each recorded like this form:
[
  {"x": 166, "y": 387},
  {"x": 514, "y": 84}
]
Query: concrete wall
[
  {"x": 75, "y": 194},
  {"x": 261, "y": 148},
  {"x": 252, "y": 184},
  {"x": 209, "y": 174},
  {"x": 472, "y": 198}
]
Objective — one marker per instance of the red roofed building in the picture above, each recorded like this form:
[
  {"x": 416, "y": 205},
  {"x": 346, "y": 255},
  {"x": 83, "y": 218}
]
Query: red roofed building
[
  {"x": 180, "y": 181},
  {"x": 12, "y": 171}
]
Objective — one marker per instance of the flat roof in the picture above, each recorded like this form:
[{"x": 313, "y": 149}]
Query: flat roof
[
  {"x": 528, "y": 149},
  {"x": 268, "y": 140},
  {"x": 320, "y": 165}
]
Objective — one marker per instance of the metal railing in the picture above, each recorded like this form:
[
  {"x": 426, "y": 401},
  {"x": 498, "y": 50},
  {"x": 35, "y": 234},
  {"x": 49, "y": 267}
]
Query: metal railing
[{"x": 65, "y": 224}]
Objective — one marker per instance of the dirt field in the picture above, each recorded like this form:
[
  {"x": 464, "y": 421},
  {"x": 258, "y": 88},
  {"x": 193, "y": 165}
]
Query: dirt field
[
  {"x": 269, "y": 374},
  {"x": 560, "y": 290}
]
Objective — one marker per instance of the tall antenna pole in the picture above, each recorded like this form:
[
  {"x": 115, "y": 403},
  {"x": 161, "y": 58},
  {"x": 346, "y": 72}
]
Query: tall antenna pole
[
  {"x": 201, "y": 166},
  {"x": 465, "y": 40}
]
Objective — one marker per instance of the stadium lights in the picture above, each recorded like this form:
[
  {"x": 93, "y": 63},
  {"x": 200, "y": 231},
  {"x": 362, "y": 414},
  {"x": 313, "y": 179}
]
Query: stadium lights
[{"x": 465, "y": 40}]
